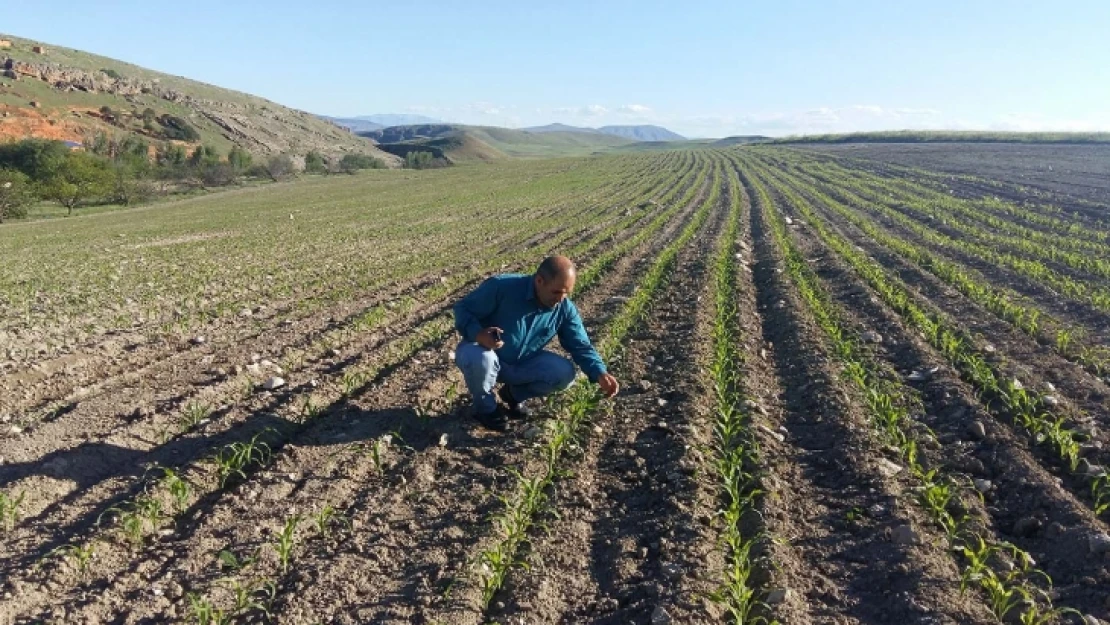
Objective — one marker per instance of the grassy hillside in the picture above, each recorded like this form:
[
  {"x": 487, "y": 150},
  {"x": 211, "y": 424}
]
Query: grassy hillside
[
  {"x": 460, "y": 143},
  {"x": 61, "y": 94}
]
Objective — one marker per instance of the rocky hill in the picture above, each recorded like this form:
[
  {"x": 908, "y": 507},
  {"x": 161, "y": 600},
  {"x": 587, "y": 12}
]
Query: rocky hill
[{"x": 59, "y": 93}]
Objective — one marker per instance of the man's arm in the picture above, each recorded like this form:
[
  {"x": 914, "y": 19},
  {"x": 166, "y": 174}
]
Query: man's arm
[
  {"x": 573, "y": 338},
  {"x": 479, "y": 303}
]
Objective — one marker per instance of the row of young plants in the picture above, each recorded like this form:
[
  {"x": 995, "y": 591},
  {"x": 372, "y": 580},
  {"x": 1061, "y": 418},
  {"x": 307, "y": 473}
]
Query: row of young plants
[
  {"x": 735, "y": 450},
  {"x": 194, "y": 412},
  {"x": 1092, "y": 293},
  {"x": 573, "y": 410},
  {"x": 989, "y": 212},
  {"x": 1041, "y": 213},
  {"x": 374, "y": 317},
  {"x": 233, "y": 462},
  {"x": 169, "y": 496},
  {"x": 207, "y": 604},
  {"x": 1022, "y": 591},
  {"x": 955, "y": 216},
  {"x": 1003, "y": 395},
  {"x": 1068, "y": 340},
  {"x": 86, "y": 292}
]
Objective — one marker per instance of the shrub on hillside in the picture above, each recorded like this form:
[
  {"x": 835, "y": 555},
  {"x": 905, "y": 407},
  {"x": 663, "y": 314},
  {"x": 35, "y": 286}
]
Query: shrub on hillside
[
  {"x": 280, "y": 166},
  {"x": 16, "y": 194},
  {"x": 422, "y": 160},
  {"x": 314, "y": 163},
  {"x": 350, "y": 163},
  {"x": 218, "y": 175},
  {"x": 239, "y": 159},
  {"x": 177, "y": 128}
]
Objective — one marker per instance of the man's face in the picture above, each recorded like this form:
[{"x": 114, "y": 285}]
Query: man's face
[{"x": 551, "y": 292}]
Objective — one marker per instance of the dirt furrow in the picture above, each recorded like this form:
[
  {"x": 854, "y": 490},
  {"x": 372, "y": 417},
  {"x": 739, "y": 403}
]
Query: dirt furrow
[
  {"x": 188, "y": 564},
  {"x": 629, "y": 530},
  {"x": 409, "y": 586},
  {"x": 826, "y": 496},
  {"x": 1084, "y": 397},
  {"x": 1023, "y": 503},
  {"x": 131, "y": 359},
  {"x": 67, "y": 476}
]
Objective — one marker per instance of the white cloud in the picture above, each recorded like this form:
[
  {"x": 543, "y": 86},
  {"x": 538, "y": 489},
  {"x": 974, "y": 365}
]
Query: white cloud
[{"x": 634, "y": 109}]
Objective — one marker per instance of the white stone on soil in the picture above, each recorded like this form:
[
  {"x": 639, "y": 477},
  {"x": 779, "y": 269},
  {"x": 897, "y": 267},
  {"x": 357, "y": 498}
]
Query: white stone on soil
[
  {"x": 904, "y": 535},
  {"x": 872, "y": 336},
  {"x": 778, "y": 596},
  {"x": 888, "y": 468},
  {"x": 1098, "y": 543},
  {"x": 273, "y": 383}
]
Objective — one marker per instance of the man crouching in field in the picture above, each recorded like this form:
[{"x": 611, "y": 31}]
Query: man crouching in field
[{"x": 505, "y": 324}]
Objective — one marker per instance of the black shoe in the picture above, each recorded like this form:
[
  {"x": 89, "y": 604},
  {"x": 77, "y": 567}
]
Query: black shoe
[
  {"x": 496, "y": 420},
  {"x": 517, "y": 410}
]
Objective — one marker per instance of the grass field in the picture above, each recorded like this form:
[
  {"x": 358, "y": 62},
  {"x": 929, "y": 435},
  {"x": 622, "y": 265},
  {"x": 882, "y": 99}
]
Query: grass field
[{"x": 854, "y": 391}]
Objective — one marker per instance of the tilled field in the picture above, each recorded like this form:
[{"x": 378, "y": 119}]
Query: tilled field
[{"x": 849, "y": 396}]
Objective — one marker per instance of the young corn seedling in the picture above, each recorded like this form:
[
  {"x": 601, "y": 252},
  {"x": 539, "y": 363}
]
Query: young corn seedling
[
  {"x": 327, "y": 517},
  {"x": 286, "y": 542},
  {"x": 179, "y": 489},
  {"x": 202, "y": 612},
  {"x": 232, "y": 461},
  {"x": 256, "y": 596},
  {"x": 9, "y": 510},
  {"x": 309, "y": 410},
  {"x": 80, "y": 556},
  {"x": 192, "y": 414},
  {"x": 228, "y": 561}
]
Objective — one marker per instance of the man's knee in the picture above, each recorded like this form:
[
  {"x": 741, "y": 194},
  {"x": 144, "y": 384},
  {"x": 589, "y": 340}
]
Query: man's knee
[
  {"x": 562, "y": 373},
  {"x": 471, "y": 356}
]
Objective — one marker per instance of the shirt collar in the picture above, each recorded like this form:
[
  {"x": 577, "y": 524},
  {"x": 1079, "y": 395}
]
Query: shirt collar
[{"x": 530, "y": 292}]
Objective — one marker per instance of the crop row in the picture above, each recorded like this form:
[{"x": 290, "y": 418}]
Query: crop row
[
  {"x": 1068, "y": 340},
  {"x": 1009, "y": 592},
  {"x": 1005, "y": 396},
  {"x": 573, "y": 411}
]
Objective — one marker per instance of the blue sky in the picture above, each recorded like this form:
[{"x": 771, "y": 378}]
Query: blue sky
[{"x": 699, "y": 68}]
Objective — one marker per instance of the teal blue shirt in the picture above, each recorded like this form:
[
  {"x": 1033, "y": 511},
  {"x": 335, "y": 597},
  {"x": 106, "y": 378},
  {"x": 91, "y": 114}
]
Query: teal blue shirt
[{"x": 509, "y": 302}]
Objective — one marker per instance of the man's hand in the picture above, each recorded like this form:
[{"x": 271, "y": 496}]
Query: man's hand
[
  {"x": 490, "y": 338},
  {"x": 608, "y": 384}
]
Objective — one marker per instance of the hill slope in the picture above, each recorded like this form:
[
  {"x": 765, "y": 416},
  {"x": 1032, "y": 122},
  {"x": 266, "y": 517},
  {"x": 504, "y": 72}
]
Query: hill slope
[
  {"x": 460, "y": 143},
  {"x": 67, "y": 94}
]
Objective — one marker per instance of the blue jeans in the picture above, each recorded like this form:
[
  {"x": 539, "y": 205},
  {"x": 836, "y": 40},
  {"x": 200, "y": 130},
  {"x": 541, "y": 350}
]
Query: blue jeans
[{"x": 540, "y": 375}]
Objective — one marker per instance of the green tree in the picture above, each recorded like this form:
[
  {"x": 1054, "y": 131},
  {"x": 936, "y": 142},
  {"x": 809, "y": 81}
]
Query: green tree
[
  {"x": 203, "y": 156},
  {"x": 239, "y": 159},
  {"x": 81, "y": 177},
  {"x": 37, "y": 158},
  {"x": 350, "y": 163},
  {"x": 280, "y": 166},
  {"x": 16, "y": 193},
  {"x": 419, "y": 160},
  {"x": 314, "y": 163}
]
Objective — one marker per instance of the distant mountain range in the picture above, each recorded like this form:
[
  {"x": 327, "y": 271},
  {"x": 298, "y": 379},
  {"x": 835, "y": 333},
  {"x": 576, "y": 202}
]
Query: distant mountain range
[
  {"x": 645, "y": 132},
  {"x": 367, "y": 123}
]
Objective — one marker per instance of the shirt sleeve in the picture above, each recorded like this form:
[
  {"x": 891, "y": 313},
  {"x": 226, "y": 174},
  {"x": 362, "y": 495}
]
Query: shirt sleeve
[
  {"x": 573, "y": 338},
  {"x": 478, "y": 304}
]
